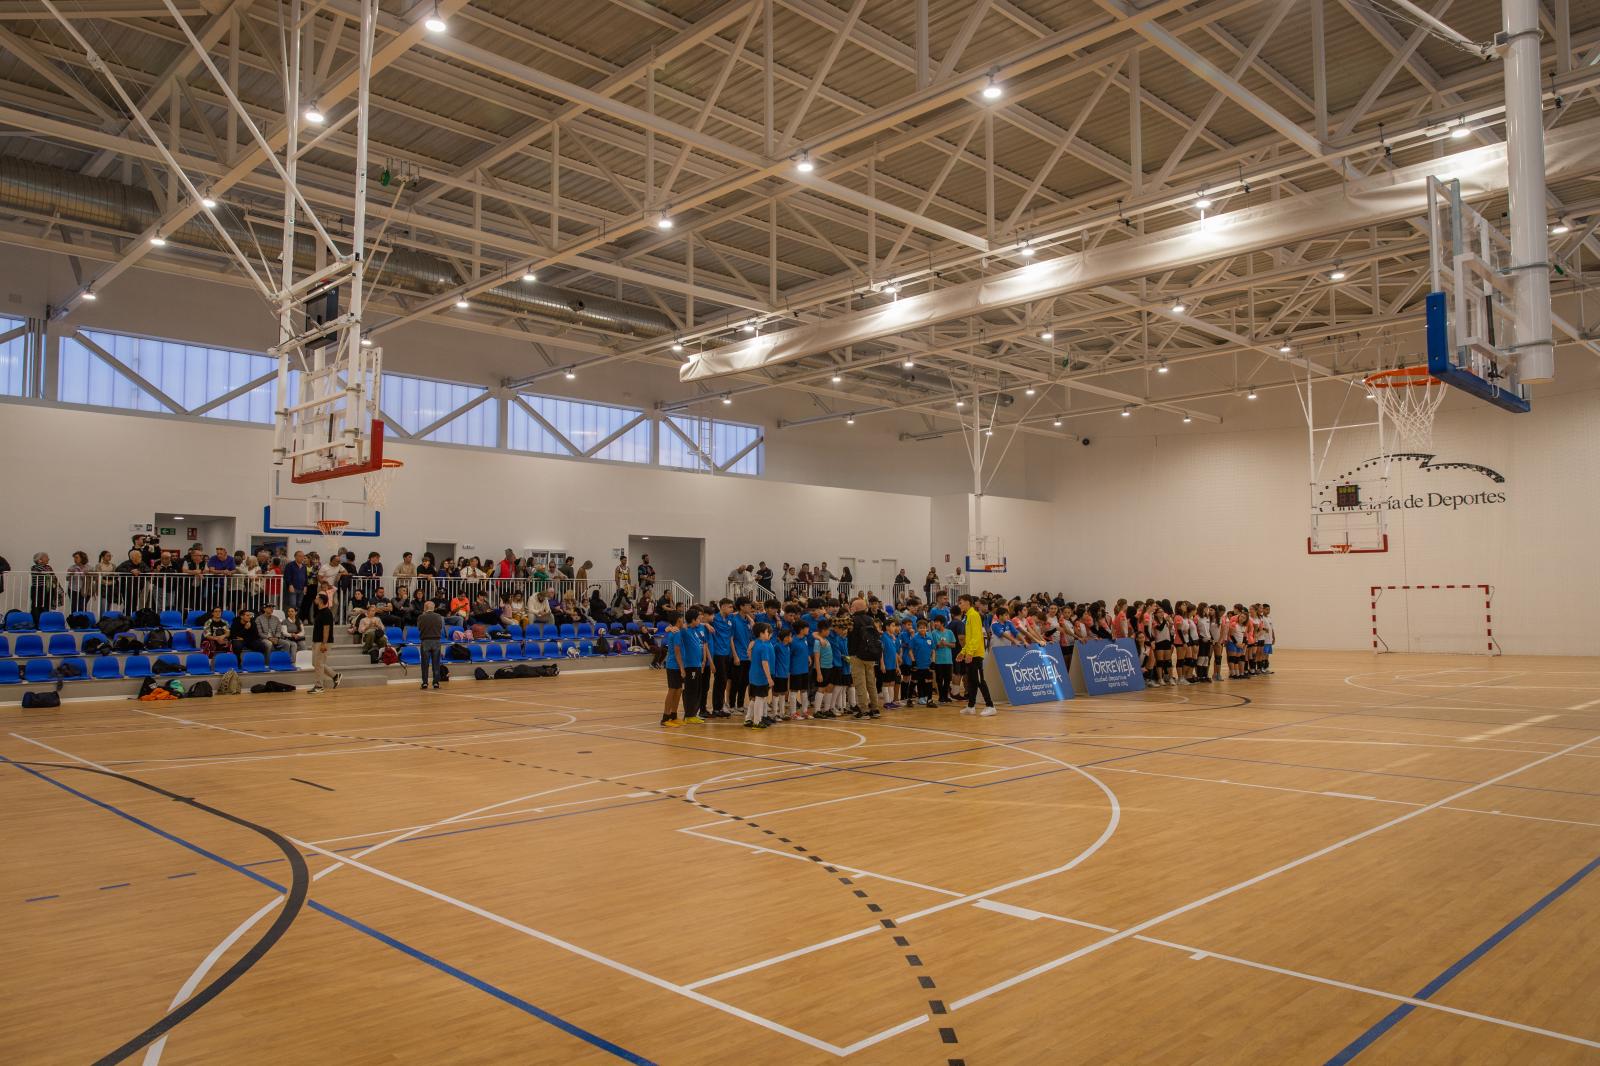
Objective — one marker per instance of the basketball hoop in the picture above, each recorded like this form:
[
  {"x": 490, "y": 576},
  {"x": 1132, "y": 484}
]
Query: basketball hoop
[
  {"x": 379, "y": 480},
  {"x": 332, "y": 528},
  {"x": 1342, "y": 549},
  {"x": 1409, "y": 396}
]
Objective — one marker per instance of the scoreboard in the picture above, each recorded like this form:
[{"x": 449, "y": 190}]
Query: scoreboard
[{"x": 1347, "y": 496}]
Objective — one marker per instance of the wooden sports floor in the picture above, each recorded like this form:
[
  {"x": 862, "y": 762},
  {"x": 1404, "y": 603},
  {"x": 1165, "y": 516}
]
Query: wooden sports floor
[{"x": 1383, "y": 860}]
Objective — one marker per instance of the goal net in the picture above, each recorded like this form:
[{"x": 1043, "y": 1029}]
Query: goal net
[{"x": 1456, "y": 618}]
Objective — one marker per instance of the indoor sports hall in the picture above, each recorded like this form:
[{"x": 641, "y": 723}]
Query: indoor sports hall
[{"x": 951, "y": 532}]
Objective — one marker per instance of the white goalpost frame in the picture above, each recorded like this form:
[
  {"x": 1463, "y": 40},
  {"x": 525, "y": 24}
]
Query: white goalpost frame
[{"x": 1491, "y": 646}]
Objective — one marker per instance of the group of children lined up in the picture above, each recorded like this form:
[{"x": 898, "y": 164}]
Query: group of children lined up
[{"x": 791, "y": 663}]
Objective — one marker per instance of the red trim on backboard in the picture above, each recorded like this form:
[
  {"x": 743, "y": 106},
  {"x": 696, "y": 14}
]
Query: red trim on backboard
[
  {"x": 374, "y": 461},
  {"x": 1311, "y": 549}
]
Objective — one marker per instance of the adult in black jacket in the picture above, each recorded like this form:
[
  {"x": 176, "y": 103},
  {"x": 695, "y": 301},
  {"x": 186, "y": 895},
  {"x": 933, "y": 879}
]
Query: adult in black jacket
[
  {"x": 244, "y": 636},
  {"x": 866, "y": 651}
]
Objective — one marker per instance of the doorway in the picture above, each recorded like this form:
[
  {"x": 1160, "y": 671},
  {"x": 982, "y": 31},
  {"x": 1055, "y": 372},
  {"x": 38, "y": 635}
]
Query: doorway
[
  {"x": 440, "y": 550},
  {"x": 680, "y": 559}
]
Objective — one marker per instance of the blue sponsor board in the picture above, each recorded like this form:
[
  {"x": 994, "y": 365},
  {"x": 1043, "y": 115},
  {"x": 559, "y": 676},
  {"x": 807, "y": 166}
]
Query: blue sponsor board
[
  {"x": 1034, "y": 674},
  {"x": 1109, "y": 666}
]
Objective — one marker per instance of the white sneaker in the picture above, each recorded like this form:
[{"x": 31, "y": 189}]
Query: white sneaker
[
  {"x": 315, "y": 690},
  {"x": 987, "y": 712},
  {"x": 968, "y": 710}
]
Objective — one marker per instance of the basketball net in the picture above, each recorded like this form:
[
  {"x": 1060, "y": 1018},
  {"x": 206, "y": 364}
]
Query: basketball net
[
  {"x": 332, "y": 528},
  {"x": 378, "y": 482},
  {"x": 1409, "y": 397}
]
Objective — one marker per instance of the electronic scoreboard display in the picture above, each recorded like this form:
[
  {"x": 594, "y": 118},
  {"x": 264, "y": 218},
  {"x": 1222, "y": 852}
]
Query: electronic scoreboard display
[{"x": 1347, "y": 496}]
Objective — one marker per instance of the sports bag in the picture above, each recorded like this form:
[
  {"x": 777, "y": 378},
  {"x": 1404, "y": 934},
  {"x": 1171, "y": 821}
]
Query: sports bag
[
  {"x": 97, "y": 646},
  {"x": 200, "y": 690},
  {"x": 271, "y": 686},
  {"x": 111, "y": 625},
  {"x": 228, "y": 684},
  {"x": 31, "y": 700},
  {"x": 128, "y": 642},
  {"x": 158, "y": 638},
  {"x": 165, "y": 666},
  {"x": 481, "y": 674},
  {"x": 602, "y": 646},
  {"x": 388, "y": 655},
  {"x": 546, "y": 670},
  {"x": 79, "y": 620},
  {"x": 68, "y": 669},
  {"x": 146, "y": 618},
  {"x": 177, "y": 688},
  {"x": 458, "y": 653}
]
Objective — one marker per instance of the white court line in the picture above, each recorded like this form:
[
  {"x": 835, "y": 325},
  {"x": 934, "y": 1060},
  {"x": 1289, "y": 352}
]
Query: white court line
[
  {"x": 592, "y": 956},
  {"x": 1512, "y": 728},
  {"x": 1348, "y": 795},
  {"x": 1584, "y": 706},
  {"x": 801, "y": 858},
  {"x": 1148, "y": 923},
  {"x": 203, "y": 725}
]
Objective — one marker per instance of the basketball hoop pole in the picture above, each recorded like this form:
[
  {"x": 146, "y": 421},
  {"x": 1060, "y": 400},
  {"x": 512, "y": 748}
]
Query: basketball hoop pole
[{"x": 1525, "y": 185}]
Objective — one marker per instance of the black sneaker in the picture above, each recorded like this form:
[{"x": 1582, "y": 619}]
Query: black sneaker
[{"x": 336, "y": 679}]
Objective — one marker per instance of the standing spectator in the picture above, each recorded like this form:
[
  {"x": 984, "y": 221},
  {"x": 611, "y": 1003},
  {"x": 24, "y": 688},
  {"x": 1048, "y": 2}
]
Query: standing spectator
[
  {"x": 321, "y": 641},
  {"x": 427, "y": 570},
  {"x": 44, "y": 593},
  {"x": 218, "y": 567},
  {"x": 328, "y": 576},
  {"x": 764, "y": 576},
  {"x": 866, "y": 650},
  {"x": 623, "y": 579},
  {"x": 371, "y": 573},
  {"x": 647, "y": 577},
  {"x": 846, "y": 579},
  {"x": 430, "y": 627},
  {"x": 5, "y": 568},
  {"x": 582, "y": 587},
  {"x": 568, "y": 572},
  {"x": 295, "y": 576},
  {"x": 403, "y": 576},
  {"x": 929, "y": 583},
  {"x": 78, "y": 582},
  {"x": 128, "y": 572},
  {"x": 104, "y": 567},
  {"x": 824, "y": 579},
  {"x": 901, "y": 583},
  {"x": 541, "y": 578},
  {"x": 508, "y": 566}
]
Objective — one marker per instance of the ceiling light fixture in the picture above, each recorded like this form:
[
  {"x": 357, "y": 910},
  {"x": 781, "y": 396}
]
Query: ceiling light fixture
[
  {"x": 988, "y": 433},
  {"x": 1027, "y": 251},
  {"x": 961, "y": 403},
  {"x": 1187, "y": 420},
  {"x": 366, "y": 342},
  {"x": 159, "y": 241},
  {"x": 1460, "y": 131},
  {"x": 1250, "y": 395},
  {"x": 435, "y": 22},
  {"x": 726, "y": 400},
  {"x": 1162, "y": 369},
  {"x": 663, "y": 221},
  {"x": 529, "y": 276},
  {"x": 1056, "y": 423},
  {"x": 1338, "y": 273},
  {"x": 1284, "y": 348},
  {"x": 1371, "y": 395},
  {"x": 315, "y": 116},
  {"x": 1047, "y": 334},
  {"x": 1560, "y": 227},
  {"x": 89, "y": 294},
  {"x": 1029, "y": 391},
  {"x": 749, "y": 327},
  {"x": 992, "y": 90},
  {"x": 908, "y": 364},
  {"x": 571, "y": 374},
  {"x": 804, "y": 164},
  {"x": 207, "y": 202},
  {"x": 677, "y": 346},
  {"x": 462, "y": 304},
  {"x": 850, "y": 420},
  {"x": 1203, "y": 202},
  {"x": 837, "y": 379},
  {"x": 1127, "y": 412},
  {"x": 1179, "y": 308}
]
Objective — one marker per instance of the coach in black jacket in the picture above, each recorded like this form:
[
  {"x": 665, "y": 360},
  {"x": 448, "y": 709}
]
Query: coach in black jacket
[{"x": 866, "y": 650}]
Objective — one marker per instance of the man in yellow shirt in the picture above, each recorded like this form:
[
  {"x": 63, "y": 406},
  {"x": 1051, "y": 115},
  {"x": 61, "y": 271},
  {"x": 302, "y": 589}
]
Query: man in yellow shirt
[{"x": 972, "y": 655}]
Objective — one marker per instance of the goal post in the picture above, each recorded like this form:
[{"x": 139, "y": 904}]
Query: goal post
[{"x": 1446, "y": 618}]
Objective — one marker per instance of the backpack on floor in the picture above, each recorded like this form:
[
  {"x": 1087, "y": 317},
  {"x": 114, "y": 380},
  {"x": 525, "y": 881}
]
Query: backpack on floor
[
  {"x": 546, "y": 670},
  {"x": 68, "y": 669},
  {"x": 271, "y": 686},
  {"x": 177, "y": 688},
  {"x": 481, "y": 674},
  {"x": 602, "y": 646},
  {"x": 200, "y": 690},
  {"x": 144, "y": 687},
  {"x": 158, "y": 693},
  {"x": 31, "y": 700},
  {"x": 228, "y": 684}
]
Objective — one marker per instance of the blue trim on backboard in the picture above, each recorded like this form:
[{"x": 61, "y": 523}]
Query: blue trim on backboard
[
  {"x": 268, "y": 527},
  {"x": 1441, "y": 366}
]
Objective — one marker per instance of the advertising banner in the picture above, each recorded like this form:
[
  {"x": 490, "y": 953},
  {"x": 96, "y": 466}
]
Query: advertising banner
[
  {"x": 1035, "y": 674},
  {"x": 1109, "y": 666}
]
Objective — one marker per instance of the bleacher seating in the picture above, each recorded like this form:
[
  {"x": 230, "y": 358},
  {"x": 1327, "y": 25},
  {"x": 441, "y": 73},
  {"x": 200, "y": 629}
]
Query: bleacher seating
[
  {"x": 106, "y": 668},
  {"x": 63, "y": 644},
  {"x": 52, "y": 622},
  {"x": 252, "y": 662},
  {"x": 29, "y": 645},
  {"x": 10, "y": 672}
]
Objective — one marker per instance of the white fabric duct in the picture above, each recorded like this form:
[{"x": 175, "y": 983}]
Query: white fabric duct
[{"x": 1569, "y": 150}]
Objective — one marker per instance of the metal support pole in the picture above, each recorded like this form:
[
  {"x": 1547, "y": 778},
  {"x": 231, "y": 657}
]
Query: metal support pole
[{"x": 1530, "y": 242}]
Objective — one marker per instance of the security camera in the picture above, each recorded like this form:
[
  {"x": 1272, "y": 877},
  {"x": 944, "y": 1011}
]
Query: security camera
[{"x": 1084, "y": 442}]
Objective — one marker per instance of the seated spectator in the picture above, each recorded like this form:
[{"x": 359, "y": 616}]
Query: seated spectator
[
  {"x": 215, "y": 635},
  {"x": 369, "y": 628},
  {"x": 539, "y": 609},
  {"x": 294, "y": 632},
  {"x": 483, "y": 613},
  {"x": 518, "y": 609},
  {"x": 271, "y": 628},
  {"x": 244, "y": 636},
  {"x": 598, "y": 611},
  {"x": 459, "y": 605}
]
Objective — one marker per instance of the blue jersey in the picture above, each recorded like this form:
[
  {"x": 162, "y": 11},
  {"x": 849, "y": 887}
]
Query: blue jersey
[
  {"x": 780, "y": 659},
  {"x": 841, "y": 651},
  {"x": 741, "y": 638},
  {"x": 941, "y": 613},
  {"x": 921, "y": 652},
  {"x": 721, "y": 634},
  {"x": 891, "y": 651},
  {"x": 800, "y": 655},
  {"x": 1001, "y": 629},
  {"x": 943, "y": 642},
  {"x": 907, "y": 656},
  {"x": 692, "y": 642},
  {"x": 824, "y": 652},
  {"x": 672, "y": 640},
  {"x": 761, "y": 654}
]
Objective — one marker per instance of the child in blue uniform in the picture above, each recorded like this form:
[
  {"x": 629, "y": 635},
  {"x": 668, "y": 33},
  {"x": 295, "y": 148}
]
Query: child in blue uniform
[
  {"x": 780, "y": 675},
  {"x": 672, "y": 642},
  {"x": 889, "y": 665},
  {"x": 922, "y": 664},
  {"x": 761, "y": 676}
]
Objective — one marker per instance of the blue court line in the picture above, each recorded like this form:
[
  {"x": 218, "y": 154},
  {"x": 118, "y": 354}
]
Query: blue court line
[
  {"x": 1394, "y": 1017},
  {"x": 36, "y": 899},
  {"x": 119, "y": 884},
  {"x": 416, "y": 953}
]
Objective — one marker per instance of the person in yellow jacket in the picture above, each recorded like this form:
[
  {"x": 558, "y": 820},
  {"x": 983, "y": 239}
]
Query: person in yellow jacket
[{"x": 971, "y": 654}]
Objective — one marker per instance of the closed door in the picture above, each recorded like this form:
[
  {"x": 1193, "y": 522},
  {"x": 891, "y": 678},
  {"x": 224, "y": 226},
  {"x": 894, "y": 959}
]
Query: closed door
[{"x": 887, "y": 568}]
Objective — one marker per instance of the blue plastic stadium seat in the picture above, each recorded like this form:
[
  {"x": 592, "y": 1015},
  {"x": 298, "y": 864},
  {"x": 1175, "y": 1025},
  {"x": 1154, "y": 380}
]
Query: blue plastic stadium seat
[
  {"x": 5, "y": 647},
  {"x": 586, "y": 648},
  {"x": 494, "y": 653},
  {"x": 134, "y": 665},
  {"x": 283, "y": 660},
  {"x": 522, "y": 651},
  {"x": 171, "y": 619},
  {"x": 195, "y": 619},
  {"x": 567, "y": 630},
  {"x": 38, "y": 671},
  {"x": 29, "y": 644},
  {"x": 10, "y": 672},
  {"x": 52, "y": 622},
  {"x": 394, "y": 635},
  {"x": 82, "y": 665},
  {"x": 517, "y": 631},
  {"x": 552, "y": 650},
  {"x": 585, "y": 629},
  {"x": 198, "y": 664},
  {"x": 631, "y": 627},
  {"x": 183, "y": 640},
  {"x": 90, "y": 625},
  {"x": 618, "y": 627},
  {"x": 63, "y": 644},
  {"x": 224, "y": 662},
  {"x": 661, "y": 627},
  {"x": 411, "y": 655},
  {"x": 228, "y": 617},
  {"x": 411, "y": 635},
  {"x": 106, "y": 668},
  {"x": 253, "y": 662},
  {"x": 477, "y": 652},
  {"x": 19, "y": 622}
]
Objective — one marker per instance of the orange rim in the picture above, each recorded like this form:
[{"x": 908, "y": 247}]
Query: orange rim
[
  {"x": 1404, "y": 377},
  {"x": 331, "y": 525}
]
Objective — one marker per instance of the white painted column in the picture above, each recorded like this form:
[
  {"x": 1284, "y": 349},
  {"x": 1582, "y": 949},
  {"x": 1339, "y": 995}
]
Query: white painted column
[{"x": 1530, "y": 239}]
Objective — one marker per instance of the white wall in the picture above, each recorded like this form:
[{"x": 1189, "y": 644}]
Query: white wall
[
  {"x": 1224, "y": 517},
  {"x": 79, "y": 478}
]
